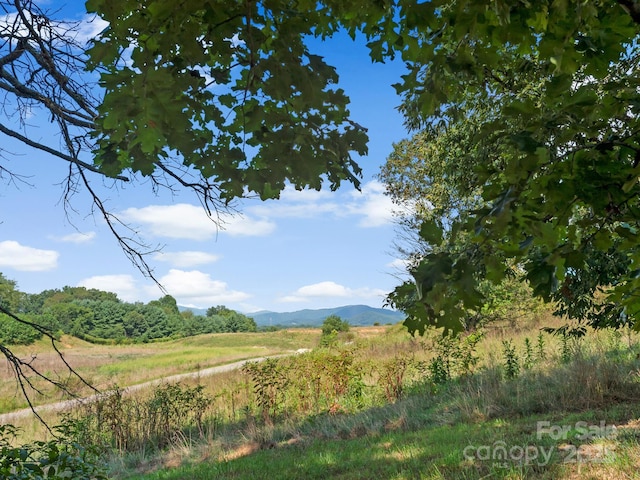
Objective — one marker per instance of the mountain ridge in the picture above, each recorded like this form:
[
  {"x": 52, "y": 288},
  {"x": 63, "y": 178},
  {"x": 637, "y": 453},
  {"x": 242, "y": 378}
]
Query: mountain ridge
[{"x": 356, "y": 315}]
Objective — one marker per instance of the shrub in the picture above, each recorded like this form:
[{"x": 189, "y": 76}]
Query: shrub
[
  {"x": 334, "y": 323},
  {"x": 57, "y": 459}
]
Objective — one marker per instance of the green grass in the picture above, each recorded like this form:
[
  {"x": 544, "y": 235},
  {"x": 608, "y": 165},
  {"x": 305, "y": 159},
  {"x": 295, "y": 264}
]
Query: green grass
[
  {"x": 433, "y": 431},
  {"x": 436, "y": 452},
  {"x": 105, "y": 365},
  {"x": 561, "y": 414}
]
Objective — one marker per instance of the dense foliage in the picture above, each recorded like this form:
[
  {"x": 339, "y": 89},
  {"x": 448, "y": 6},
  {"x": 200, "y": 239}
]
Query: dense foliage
[
  {"x": 333, "y": 323},
  {"x": 260, "y": 109},
  {"x": 529, "y": 109},
  {"x": 99, "y": 316},
  {"x": 529, "y": 118},
  {"x": 58, "y": 459},
  {"x": 533, "y": 107}
]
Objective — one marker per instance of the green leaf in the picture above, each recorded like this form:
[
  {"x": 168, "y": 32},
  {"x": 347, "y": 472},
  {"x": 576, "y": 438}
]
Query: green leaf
[{"x": 431, "y": 232}]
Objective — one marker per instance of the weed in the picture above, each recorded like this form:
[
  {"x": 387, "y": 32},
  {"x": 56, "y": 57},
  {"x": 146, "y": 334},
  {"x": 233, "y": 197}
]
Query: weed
[
  {"x": 454, "y": 355},
  {"x": 511, "y": 360},
  {"x": 541, "y": 354},
  {"x": 392, "y": 377},
  {"x": 529, "y": 358},
  {"x": 270, "y": 381},
  {"x": 128, "y": 424}
]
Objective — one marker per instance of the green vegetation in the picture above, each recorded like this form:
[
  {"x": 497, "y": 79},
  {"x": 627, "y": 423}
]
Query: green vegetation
[
  {"x": 377, "y": 405},
  {"x": 524, "y": 168},
  {"x": 525, "y": 156},
  {"x": 132, "y": 364},
  {"x": 334, "y": 323},
  {"x": 428, "y": 407},
  {"x": 100, "y": 317},
  {"x": 57, "y": 459},
  {"x": 334, "y": 329}
]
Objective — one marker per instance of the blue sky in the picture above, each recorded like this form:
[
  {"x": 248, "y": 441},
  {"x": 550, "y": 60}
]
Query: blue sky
[{"x": 307, "y": 250}]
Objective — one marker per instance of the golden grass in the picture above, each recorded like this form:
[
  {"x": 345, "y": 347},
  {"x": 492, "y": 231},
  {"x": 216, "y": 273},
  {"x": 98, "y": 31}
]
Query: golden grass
[{"x": 105, "y": 365}]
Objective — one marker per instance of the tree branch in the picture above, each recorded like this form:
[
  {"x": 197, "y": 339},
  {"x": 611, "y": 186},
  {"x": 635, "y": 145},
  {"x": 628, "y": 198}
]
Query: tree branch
[{"x": 52, "y": 151}]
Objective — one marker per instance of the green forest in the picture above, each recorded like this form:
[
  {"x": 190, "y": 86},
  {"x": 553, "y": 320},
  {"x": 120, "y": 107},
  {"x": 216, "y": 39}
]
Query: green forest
[{"x": 100, "y": 317}]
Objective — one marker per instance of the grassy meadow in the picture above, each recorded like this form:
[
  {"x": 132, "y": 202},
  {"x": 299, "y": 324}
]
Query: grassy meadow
[
  {"x": 104, "y": 366},
  {"x": 509, "y": 403}
]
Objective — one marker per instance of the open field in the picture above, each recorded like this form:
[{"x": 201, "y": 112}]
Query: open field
[
  {"x": 573, "y": 415},
  {"x": 104, "y": 366},
  {"x": 570, "y": 410}
]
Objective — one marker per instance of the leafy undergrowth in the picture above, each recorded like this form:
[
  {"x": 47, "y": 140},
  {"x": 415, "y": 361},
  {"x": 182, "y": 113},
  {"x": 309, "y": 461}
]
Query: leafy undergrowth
[{"x": 568, "y": 411}]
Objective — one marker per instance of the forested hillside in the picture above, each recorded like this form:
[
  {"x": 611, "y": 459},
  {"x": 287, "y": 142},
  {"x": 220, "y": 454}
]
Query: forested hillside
[{"x": 101, "y": 317}]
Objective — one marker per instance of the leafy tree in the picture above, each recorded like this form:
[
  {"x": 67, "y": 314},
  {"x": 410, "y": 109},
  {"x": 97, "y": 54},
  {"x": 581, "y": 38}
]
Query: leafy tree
[
  {"x": 553, "y": 157},
  {"x": 219, "y": 310},
  {"x": 16, "y": 333},
  {"x": 9, "y": 295},
  {"x": 432, "y": 176},
  {"x": 135, "y": 324},
  {"x": 230, "y": 320},
  {"x": 71, "y": 318},
  {"x": 168, "y": 304},
  {"x": 238, "y": 77},
  {"x": 333, "y": 323}
]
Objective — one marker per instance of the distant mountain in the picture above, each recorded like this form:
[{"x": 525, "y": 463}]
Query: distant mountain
[
  {"x": 196, "y": 311},
  {"x": 356, "y": 315}
]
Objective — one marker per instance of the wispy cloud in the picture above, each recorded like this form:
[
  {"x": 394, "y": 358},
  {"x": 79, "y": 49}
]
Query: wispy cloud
[
  {"x": 186, "y": 259},
  {"x": 198, "y": 288},
  {"x": 331, "y": 290},
  {"x": 89, "y": 28},
  {"x": 190, "y": 222},
  {"x": 369, "y": 206},
  {"x": 374, "y": 208},
  {"x": 27, "y": 259},
  {"x": 76, "y": 237},
  {"x": 122, "y": 285}
]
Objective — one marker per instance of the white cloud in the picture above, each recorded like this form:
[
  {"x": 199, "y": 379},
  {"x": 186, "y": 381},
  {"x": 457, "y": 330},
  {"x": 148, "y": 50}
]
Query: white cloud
[
  {"x": 244, "y": 226},
  {"x": 187, "y": 221},
  {"x": 81, "y": 31},
  {"x": 399, "y": 264},
  {"x": 198, "y": 288},
  {"x": 186, "y": 258},
  {"x": 27, "y": 259},
  {"x": 77, "y": 237},
  {"x": 373, "y": 205},
  {"x": 323, "y": 289},
  {"x": 90, "y": 27},
  {"x": 174, "y": 221},
  {"x": 122, "y": 285},
  {"x": 330, "y": 289}
]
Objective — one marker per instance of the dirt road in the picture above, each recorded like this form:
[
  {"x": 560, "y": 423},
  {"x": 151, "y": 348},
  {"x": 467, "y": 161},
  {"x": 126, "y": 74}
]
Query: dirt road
[{"x": 67, "y": 404}]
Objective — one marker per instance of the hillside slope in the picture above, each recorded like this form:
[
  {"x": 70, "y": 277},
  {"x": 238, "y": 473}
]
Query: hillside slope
[{"x": 357, "y": 315}]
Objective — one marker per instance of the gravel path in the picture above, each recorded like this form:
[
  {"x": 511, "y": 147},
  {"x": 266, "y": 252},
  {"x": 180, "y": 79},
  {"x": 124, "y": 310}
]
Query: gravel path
[{"x": 67, "y": 404}]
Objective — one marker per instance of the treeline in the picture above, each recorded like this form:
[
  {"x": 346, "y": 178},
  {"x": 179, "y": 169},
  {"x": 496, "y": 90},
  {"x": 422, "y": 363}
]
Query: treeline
[{"x": 100, "y": 317}]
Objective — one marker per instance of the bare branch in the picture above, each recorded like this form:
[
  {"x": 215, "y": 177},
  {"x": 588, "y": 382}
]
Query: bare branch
[
  {"x": 23, "y": 370},
  {"x": 44, "y": 148}
]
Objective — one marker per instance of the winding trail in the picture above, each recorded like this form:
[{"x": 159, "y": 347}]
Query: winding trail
[{"x": 67, "y": 404}]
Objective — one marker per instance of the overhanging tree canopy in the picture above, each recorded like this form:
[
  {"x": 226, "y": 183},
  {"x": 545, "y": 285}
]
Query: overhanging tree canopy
[
  {"x": 225, "y": 98},
  {"x": 557, "y": 161}
]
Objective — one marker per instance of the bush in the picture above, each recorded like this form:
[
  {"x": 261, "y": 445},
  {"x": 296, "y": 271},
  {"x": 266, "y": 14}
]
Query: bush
[{"x": 55, "y": 460}]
